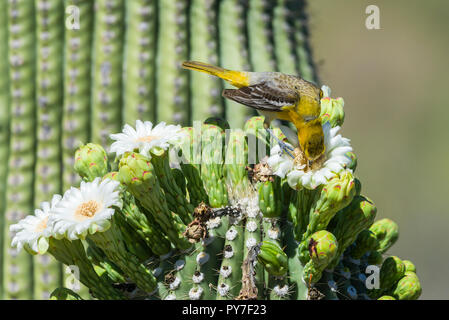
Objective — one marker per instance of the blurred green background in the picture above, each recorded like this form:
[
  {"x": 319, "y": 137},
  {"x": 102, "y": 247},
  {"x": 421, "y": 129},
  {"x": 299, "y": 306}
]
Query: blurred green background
[{"x": 395, "y": 82}]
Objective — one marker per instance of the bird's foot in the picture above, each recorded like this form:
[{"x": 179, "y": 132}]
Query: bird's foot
[{"x": 284, "y": 147}]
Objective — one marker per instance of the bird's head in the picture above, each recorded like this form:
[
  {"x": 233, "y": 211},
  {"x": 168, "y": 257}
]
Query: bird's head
[{"x": 311, "y": 139}]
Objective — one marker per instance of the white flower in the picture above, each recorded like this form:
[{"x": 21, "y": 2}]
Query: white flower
[
  {"x": 85, "y": 210},
  {"x": 335, "y": 160},
  {"x": 32, "y": 232},
  {"x": 326, "y": 91},
  {"x": 144, "y": 138}
]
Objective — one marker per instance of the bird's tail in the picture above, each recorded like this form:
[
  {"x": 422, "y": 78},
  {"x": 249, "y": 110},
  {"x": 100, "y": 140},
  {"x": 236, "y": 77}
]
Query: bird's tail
[{"x": 236, "y": 78}]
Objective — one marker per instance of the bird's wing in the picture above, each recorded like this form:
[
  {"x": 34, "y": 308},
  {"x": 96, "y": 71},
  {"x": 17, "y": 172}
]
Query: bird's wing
[{"x": 263, "y": 96}]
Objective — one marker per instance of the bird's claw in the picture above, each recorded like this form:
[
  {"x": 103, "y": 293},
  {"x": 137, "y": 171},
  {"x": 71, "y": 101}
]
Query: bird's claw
[{"x": 284, "y": 147}]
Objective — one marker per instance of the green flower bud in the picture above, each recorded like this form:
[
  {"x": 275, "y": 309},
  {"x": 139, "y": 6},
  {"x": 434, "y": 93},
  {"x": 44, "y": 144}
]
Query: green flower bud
[
  {"x": 408, "y": 287},
  {"x": 270, "y": 198},
  {"x": 349, "y": 222},
  {"x": 386, "y": 298},
  {"x": 366, "y": 241},
  {"x": 219, "y": 122},
  {"x": 391, "y": 271},
  {"x": 353, "y": 165},
  {"x": 335, "y": 195},
  {"x": 137, "y": 173},
  {"x": 322, "y": 248},
  {"x": 332, "y": 111},
  {"x": 91, "y": 161},
  {"x": 113, "y": 175},
  {"x": 387, "y": 232},
  {"x": 273, "y": 258},
  {"x": 409, "y": 266},
  {"x": 375, "y": 258}
]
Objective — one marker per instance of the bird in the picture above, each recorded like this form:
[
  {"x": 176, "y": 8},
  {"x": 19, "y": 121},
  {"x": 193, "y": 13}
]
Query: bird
[{"x": 276, "y": 95}]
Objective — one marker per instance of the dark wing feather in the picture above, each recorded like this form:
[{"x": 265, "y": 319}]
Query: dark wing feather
[{"x": 263, "y": 96}]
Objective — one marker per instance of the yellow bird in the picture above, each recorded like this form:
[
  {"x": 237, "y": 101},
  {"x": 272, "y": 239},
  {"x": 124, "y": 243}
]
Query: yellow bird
[{"x": 276, "y": 96}]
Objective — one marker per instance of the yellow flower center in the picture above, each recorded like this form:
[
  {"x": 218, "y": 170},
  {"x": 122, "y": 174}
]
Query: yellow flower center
[
  {"x": 300, "y": 161},
  {"x": 41, "y": 225},
  {"x": 147, "y": 138},
  {"x": 87, "y": 210}
]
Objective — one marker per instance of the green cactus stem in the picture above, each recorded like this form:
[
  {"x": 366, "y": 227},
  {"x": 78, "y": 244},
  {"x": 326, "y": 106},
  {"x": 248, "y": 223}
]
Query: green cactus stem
[
  {"x": 233, "y": 53},
  {"x": 17, "y": 267},
  {"x": 350, "y": 221},
  {"x": 137, "y": 173},
  {"x": 4, "y": 124},
  {"x": 172, "y": 86},
  {"x": 205, "y": 90},
  {"x": 72, "y": 253},
  {"x": 77, "y": 88},
  {"x": 107, "y": 70},
  {"x": 49, "y": 75},
  {"x": 139, "y": 61},
  {"x": 176, "y": 200}
]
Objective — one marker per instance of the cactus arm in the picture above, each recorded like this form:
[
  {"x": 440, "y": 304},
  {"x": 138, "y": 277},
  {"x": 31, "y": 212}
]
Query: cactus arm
[
  {"x": 107, "y": 70},
  {"x": 283, "y": 46},
  {"x": 4, "y": 127},
  {"x": 233, "y": 54},
  {"x": 139, "y": 61},
  {"x": 77, "y": 89},
  {"x": 259, "y": 36},
  {"x": 298, "y": 27},
  {"x": 205, "y": 90},
  {"x": 17, "y": 267},
  {"x": 49, "y": 74},
  {"x": 172, "y": 86}
]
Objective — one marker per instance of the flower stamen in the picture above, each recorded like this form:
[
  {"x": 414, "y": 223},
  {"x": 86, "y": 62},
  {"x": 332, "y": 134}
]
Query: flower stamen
[
  {"x": 41, "y": 225},
  {"x": 147, "y": 138},
  {"x": 87, "y": 210}
]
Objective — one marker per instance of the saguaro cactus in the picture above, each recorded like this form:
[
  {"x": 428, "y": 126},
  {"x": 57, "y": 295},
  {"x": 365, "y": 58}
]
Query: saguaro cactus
[
  {"x": 217, "y": 222},
  {"x": 225, "y": 247}
]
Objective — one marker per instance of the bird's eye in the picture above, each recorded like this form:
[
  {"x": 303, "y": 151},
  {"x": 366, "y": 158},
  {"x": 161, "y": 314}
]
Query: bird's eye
[{"x": 321, "y": 94}]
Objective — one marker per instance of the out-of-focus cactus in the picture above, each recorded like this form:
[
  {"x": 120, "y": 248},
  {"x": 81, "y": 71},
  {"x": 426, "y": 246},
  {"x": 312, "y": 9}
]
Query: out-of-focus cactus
[
  {"x": 17, "y": 267},
  {"x": 49, "y": 94},
  {"x": 232, "y": 221}
]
